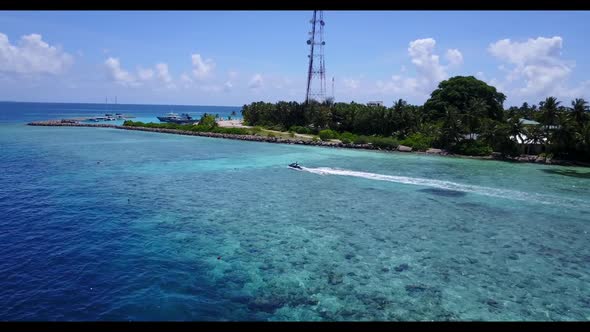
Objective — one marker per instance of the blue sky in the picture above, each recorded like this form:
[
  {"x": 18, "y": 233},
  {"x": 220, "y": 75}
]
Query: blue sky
[{"x": 236, "y": 57}]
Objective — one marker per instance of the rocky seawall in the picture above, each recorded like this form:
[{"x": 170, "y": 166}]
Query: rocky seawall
[{"x": 256, "y": 138}]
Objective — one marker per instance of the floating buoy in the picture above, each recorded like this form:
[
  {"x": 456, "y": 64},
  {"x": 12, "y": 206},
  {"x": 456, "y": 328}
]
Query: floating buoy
[{"x": 218, "y": 257}]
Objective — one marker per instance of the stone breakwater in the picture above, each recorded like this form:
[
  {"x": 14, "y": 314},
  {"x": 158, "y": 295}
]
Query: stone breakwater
[{"x": 256, "y": 138}]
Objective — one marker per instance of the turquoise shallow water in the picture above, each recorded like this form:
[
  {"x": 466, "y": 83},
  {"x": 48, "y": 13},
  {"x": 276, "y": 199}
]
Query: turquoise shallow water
[{"x": 104, "y": 224}]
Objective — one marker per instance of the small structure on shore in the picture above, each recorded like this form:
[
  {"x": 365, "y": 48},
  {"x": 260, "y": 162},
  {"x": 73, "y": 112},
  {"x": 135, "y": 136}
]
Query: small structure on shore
[{"x": 375, "y": 103}]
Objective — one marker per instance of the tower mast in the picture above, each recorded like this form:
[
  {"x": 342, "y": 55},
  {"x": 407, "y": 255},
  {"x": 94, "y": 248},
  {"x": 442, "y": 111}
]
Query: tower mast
[{"x": 316, "y": 71}]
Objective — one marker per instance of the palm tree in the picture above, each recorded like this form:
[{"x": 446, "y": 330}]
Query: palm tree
[
  {"x": 477, "y": 109},
  {"x": 452, "y": 126},
  {"x": 584, "y": 136},
  {"x": 399, "y": 105},
  {"x": 549, "y": 109},
  {"x": 535, "y": 134},
  {"x": 516, "y": 128},
  {"x": 579, "y": 109},
  {"x": 563, "y": 138}
]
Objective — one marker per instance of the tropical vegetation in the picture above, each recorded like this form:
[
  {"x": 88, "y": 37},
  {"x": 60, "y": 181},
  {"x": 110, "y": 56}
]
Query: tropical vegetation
[{"x": 463, "y": 115}]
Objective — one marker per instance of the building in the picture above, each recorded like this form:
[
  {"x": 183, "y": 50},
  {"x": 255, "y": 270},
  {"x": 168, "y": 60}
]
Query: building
[
  {"x": 528, "y": 145},
  {"x": 375, "y": 103}
]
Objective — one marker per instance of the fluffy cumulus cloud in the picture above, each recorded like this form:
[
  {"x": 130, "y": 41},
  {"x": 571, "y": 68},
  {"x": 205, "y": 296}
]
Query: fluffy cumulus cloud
[
  {"x": 534, "y": 68},
  {"x": 255, "y": 82},
  {"x": 351, "y": 83},
  {"x": 164, "y": 75},
  {"x": 229, "y": 84},
  {"x": 186, "y": 80},
  {"x": 202, "y": 68},
  {"x": 426, "y": 62},
  {"x": 118, "y": 74},
  {"x": 429, "y": 71},
  {"x": 145, "y": 74},
  {"x": 454, "y": 57},
  {"x": 159, "y": 74},
  {"x": 32, "y": 55}
]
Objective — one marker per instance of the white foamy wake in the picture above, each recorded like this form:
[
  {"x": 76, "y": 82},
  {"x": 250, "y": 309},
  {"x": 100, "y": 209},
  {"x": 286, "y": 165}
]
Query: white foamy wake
[{"x": 446, "y": 185}]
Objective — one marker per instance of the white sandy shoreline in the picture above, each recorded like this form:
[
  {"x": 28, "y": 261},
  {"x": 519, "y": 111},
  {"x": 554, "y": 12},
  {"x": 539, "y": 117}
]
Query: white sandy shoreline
[{"x": 232, "y": 124}]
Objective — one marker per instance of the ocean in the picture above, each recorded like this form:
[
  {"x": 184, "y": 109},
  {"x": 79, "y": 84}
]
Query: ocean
[{"x": 113, "y": 225}]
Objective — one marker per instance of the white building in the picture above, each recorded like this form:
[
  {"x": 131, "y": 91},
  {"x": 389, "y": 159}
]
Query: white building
[{"x": 375, "y": 103}]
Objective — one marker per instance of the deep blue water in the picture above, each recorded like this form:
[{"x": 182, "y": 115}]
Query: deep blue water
[
  {"x": 105, "y": 224},
  {"x": 16, "y": 112}
]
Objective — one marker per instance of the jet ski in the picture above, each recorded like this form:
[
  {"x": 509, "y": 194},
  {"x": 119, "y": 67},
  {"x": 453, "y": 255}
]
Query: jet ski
[{"x": 295, "y": 165}]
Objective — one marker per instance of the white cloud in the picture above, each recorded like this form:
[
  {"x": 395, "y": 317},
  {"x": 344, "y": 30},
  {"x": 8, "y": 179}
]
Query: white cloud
[
  {"x": 211, "y": 88},
  {"x": 351, "y": 84},
  {"x": 454, "y": 57},
  {"x": 202, "y": 68},
  {"x": 227, "y": 86},
  {"x": 32, "y": 55},
  {"x": 255, "y": 82},
  {"x": 531, "y": 51},
  {"x": 400, "y": 86},
  {"x": 427, "y": 64},
  {"x": 118, "y": 74},
  {"x": 537, "y": 67},
  {"x": 186, "y": 80},
  {"x": 429, "y": 71},
  {"x": 163, "y": 75},
  {"x": 145, "y": 74}
]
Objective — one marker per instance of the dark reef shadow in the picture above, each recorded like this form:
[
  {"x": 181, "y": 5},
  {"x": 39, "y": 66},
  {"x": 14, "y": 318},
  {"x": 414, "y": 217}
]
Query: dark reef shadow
[
  {"x": 443, "y": 192},
  {"x": 568, "y": 172}
]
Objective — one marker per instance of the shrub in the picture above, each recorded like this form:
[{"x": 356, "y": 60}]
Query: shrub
[
  {"x": 208, "y": 120},
  {"x": 389, "y": 143},
  {"x": 361, "y": 140},
  {"x": 315, "y": 139},
  {"x": 471, "y": 147},
  {"x": 301, "y": 130},
  {"x": 291, "y": 134},
  {"x": 418, "y": 142},
  {"x": 327, "y": 134},
  {"x": 345, "y": 140},
  {"x": 271, "y": 135},
  {"x": 276, "y": 127},
  {"x": 346, "y": 136},
  {"x": 233, "y": 131},
  {"x": 546, "y": 155}
]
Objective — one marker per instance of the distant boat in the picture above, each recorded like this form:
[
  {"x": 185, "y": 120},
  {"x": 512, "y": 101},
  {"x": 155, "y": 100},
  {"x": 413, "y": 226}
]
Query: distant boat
[
  {"x": 295, "y": 165},
  {"x": 175, "y": 118}
]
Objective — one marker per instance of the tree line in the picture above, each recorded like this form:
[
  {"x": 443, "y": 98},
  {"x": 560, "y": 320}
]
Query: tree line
[{"x": 463, "y": 115}]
